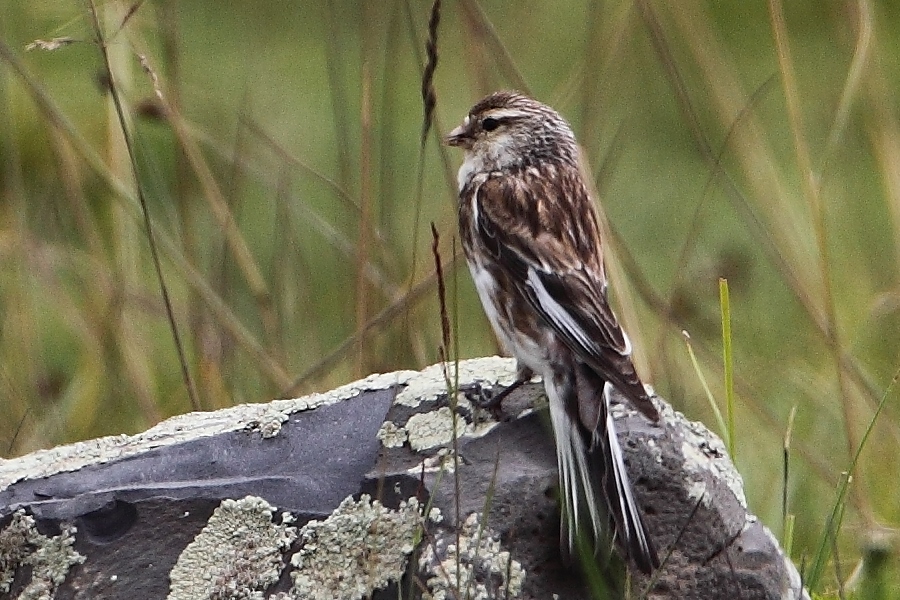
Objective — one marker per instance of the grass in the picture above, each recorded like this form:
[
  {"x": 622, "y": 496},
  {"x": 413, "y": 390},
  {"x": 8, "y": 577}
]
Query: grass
[
  {"x": 727, "y": 365},
  {"x": 280, "y": 158}
]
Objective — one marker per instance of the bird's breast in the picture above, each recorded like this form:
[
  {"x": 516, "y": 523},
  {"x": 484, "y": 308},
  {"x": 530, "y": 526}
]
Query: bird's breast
[{"x": 515, "y": 326}]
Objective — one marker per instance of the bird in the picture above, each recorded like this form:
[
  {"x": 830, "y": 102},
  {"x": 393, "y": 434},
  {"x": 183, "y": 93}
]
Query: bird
[{"x": 531, "y": 237}]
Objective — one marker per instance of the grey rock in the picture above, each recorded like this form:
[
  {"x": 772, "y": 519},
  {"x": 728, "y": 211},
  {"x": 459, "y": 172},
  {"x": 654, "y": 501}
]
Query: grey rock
[{"x": 370, "y": 490}]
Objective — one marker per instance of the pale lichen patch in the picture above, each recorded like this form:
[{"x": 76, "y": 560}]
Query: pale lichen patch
[
  {"x": 359, "y": 548},
  {"x": 477, "y": 568},
  {"x": 269, "y": 422},
  {"x": 443, "y": 461},
  {"x": 696, "y": 490},
  {"x": 434, "y": 428},
  {"x": 50, "y": 557},
  {"x": 704, "y": 451},
  {"x": 391, "y": 435},
  {"x": 429, "y": 429},
  {"x": 237, "y": 555}
]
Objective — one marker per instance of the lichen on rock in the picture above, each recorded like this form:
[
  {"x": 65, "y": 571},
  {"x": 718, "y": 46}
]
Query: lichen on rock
[
  {"x": 50, "y": 557},
  {"x": 361, "y": 547},
  {"x": 391, "y": 435},
  {"x": 237, "y": 555},
  {"x": 476, "y": 568}
]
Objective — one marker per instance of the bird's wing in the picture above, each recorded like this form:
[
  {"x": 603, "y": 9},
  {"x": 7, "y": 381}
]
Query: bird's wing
[{"x": 549, "y": 246}]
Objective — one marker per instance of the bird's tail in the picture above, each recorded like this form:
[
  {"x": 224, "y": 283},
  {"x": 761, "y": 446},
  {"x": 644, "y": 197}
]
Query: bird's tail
[{"x": 595, "y": 487}]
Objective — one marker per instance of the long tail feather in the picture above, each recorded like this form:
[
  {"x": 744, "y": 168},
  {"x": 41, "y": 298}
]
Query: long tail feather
[
  {"x": 631, "y": 532},
  {"x": 595, "y": 488}
]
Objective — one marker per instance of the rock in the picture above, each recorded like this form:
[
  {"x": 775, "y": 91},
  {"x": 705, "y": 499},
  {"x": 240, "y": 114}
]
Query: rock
[{"x": 356, "y": 494}]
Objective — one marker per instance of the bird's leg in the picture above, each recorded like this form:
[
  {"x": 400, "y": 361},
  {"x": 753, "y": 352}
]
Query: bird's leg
[{"x": 492, "y": 402}]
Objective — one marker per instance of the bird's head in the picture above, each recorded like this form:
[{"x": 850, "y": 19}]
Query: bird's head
[{"x": 510, "y": 129}]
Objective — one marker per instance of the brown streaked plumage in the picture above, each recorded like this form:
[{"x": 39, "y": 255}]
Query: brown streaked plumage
[{"x": 532, "y": 242}]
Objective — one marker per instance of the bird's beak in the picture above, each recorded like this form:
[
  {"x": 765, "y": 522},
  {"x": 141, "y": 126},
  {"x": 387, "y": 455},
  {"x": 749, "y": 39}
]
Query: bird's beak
[{"x": 459, "y": 137}]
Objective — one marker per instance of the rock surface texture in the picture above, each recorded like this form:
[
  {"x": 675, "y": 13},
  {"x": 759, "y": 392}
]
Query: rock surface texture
[{"x": 373, "y": 490}]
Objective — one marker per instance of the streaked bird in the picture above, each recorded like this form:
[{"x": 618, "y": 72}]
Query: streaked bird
[{"x": 532, "y": 241}]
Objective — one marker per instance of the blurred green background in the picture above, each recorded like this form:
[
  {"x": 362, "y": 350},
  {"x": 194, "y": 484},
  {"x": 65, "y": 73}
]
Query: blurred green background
[{"x": 751, "y": 141}]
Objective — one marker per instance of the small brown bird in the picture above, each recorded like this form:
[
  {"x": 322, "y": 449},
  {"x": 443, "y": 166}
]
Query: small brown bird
[{"x": 532, "y": 241}]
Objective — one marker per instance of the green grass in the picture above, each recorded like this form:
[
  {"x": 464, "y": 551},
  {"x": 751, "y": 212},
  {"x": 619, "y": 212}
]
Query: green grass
[{"x": 757, "y": 143}]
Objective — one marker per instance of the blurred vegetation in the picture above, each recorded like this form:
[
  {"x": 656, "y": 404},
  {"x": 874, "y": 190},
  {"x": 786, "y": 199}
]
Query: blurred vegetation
[{"x": 277, "y": 147}]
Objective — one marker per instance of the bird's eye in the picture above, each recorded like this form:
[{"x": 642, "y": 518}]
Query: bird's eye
[{"x": 490, "y": 124}]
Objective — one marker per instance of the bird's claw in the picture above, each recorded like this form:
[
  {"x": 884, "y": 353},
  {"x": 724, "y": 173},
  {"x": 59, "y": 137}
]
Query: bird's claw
[{"x": 486, "y": 399}]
